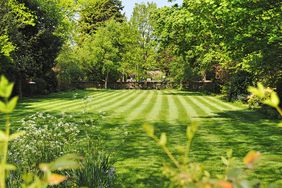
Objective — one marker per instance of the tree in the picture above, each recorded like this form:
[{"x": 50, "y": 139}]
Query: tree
[
  {"x": 94, "y": 13},
  {"x": 101, "y": 51},
  {"x": 141, "y": 21},
  {"x": 36, "y": 30}
]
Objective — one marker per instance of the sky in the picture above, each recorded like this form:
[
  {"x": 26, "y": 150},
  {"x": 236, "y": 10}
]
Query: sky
[{"x": 129, "y": 4}]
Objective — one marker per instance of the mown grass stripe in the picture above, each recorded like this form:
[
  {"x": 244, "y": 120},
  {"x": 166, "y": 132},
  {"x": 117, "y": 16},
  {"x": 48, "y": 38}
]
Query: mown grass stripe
[
  {"x": 97, "y": 106},
  {"x": 140, "y": 111},
  {"x": 182, "y": 114},
  {"x": 225, "y": 105},
  {"x": 62, "y": 101},
  {"x": 148, "y": 110},
  {"x": 190, "y": 111},
  {"x": 200, "y": 109},
  {"x": 67, "y": 104},
  {"x": 125, "y": 108},
  {"x": 210, "y": 104},
  {"x": 173, "y": 111},
  {"x": 202, "y": 106},
  {"x": 136, "y": 108},
  {"x": 124, "y": 101},
  {"x": 81, "y": 104},
  {"x": 154, "y": 114},
  {"x": 164, "y": 108}
]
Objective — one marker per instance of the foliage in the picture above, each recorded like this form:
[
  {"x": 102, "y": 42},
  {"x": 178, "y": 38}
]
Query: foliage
[
  {"x": 101, "y": 51},
  {"x": 49, "y": 137},
  {"x": 142, "y": 22},
  {"x": 255, "y": 101},
  {"x": 36, "y": 30},
  {"x": 49, "y": 178},
  {"x": 238, "y": 35},
  {"x": 97, "y": 168},
  {"x": 67, "y": 67},
  {"x": 94, "y": 13},
  {"x": 265, "y": 96}
]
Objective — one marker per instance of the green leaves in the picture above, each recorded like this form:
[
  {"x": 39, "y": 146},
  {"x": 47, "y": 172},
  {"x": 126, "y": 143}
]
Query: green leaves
[
  {"x": 191, "y": 130},
  {"x": 6, "y": 88},
  {"x": 9, "y": 106},
  {"x": 261, "y": 92},
  {"x": 273, "y": 101},
  {"x": 149, "y": 129},
  {"x": 4, "y": 137},
  {"x": 163, "y": 139},
  {"x": 63, "y": 163}
]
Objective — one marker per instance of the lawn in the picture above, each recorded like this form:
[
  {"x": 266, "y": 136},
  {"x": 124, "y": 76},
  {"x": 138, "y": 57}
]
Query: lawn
[{"x": 138, "y": 159}]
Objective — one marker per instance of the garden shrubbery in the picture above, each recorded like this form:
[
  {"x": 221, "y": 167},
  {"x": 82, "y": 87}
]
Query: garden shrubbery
[{"x": 48, "y": 137}]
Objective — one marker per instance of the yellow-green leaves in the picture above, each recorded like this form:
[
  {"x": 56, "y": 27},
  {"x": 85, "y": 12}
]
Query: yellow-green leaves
[
  {"x": 259, "y": 91},
  {"x": 273, "y": 101},
  {"x": 149, "y": 129},
  {"x": 6, "y": 88},
  {"x": 16, "y": 135},
  {"x": 9, "y": 167},
  {"x": 9, "y": 106},
  {"x": 191, "y": 130},
  {"x": 163, "y": 139},
  {"x": 63, "y": 163},
  {"x": 267, "y": 96},
  {"x": 4, "y": 137}
]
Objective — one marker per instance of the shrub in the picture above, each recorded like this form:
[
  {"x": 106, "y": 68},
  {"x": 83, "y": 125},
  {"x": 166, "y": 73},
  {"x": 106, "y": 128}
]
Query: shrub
[
  {"x": 49, "y": 137},
  {"x": 7, "y": 106},
  {"x": 97, "y": 168}
]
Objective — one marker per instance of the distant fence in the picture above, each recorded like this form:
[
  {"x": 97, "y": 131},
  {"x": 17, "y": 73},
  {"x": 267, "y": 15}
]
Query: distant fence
[
  {"x": 125, "y": 85},
  {"x": 194, "y": 86}
]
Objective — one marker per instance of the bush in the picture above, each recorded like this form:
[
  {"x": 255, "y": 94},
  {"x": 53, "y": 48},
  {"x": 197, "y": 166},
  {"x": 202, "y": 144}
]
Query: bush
[
  {"x": 256, "y": 102},
  {"x": 237, "y": 85},
  {"x": 97, "y": 168},
  {"x": 49, "y": 137}
]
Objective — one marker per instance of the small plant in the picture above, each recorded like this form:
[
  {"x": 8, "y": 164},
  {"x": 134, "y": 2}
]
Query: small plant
[
  {"x": 6, "y": 107},
  {"x": 97, "y": 168}
]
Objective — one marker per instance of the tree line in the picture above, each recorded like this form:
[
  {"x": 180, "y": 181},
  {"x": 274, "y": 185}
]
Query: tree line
[{"x": 234, "y": 43}]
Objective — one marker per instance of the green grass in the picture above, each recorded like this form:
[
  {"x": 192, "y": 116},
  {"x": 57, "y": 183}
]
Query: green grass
[{"x": 138, "y": 159}]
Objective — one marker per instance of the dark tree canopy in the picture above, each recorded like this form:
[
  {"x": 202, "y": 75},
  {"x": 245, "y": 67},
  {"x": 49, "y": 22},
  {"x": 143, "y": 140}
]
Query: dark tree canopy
[{"x": 94, "y": 13}]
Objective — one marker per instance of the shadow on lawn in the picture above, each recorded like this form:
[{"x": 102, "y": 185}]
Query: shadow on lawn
[{"x": 241, "y": 131}]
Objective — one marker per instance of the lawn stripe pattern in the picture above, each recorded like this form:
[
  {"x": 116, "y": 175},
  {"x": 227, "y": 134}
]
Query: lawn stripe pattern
[{"x": 223, "y": 125}]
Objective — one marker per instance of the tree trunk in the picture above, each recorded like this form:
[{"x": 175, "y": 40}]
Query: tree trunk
[
  {"x": 106, "y": 80},
  {"x": 20, "y": 87}
]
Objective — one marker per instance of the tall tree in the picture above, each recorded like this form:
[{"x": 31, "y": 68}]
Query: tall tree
[
  {"x": 37, "y": 39},
  {"x": 94, "y": 13},
  {"x": 101, "y": 52},
  {"x": 141, "y": 21}
]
